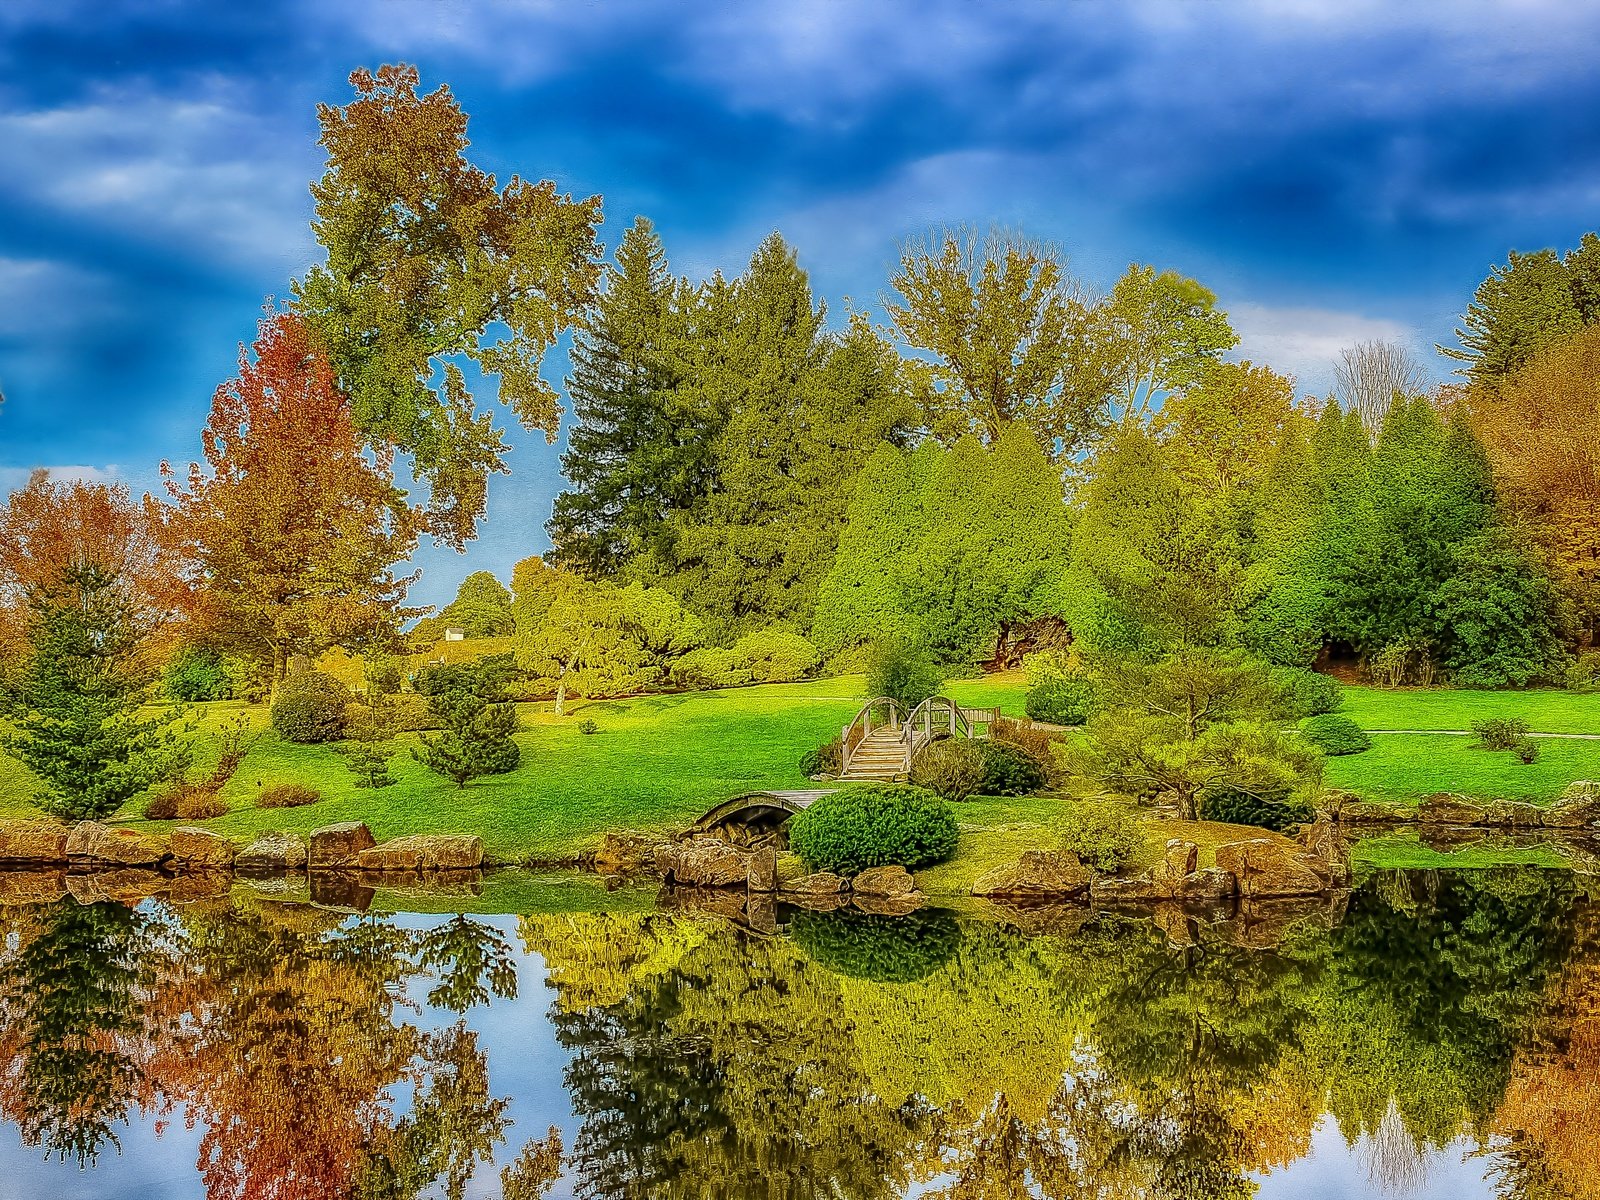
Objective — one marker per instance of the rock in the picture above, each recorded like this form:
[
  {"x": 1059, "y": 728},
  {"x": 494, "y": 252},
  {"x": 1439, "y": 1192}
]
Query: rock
[
  {"x": 1447, "y": 808},
  {"x": 194, "y": 847},
  {"x": 1365, "y": 812},
  {"x": 1509, "y": 814},
  {"x": 619, "y": 852},
  {"x": 703, "y": 862},
  {"x": 277, "y": 851},
  {"x": 1264, "y": 867},
  {"x": 32, "y": 887},
  {"x": 93, "y": 844},
  {"x": 130, "y": 886},
  {"x": 1037, "y": 873},
  {"x": 1578, "y": 807},
  {"x": 1325, "y": 841},
  {"x": 338, "y": 845},
  {"x": 1130, "y": 889},
  {"x": 425, "y": 852},
  {"x": 883, "y": 881},
  {"x": 1182, "y": 858},
  {"x": 763, "y": 871},
  {"x": 823, "y": 883},
  {"x": 33, "y": 842},
  {"x": 1211, "y": 886},
  {"x": 888, "y": 906}
]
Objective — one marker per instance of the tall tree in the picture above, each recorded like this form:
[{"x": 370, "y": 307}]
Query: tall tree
[
  {"x": 1157, "y": 333},
  {"x": 294, "y": 527},
  {"x": 481, "y": 609},
  {"x": 427, "y": 254},
  {"x": 1368, "y": 377}
]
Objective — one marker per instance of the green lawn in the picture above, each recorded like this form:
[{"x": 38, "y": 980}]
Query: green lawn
[{"x": 1546, "y": 710}]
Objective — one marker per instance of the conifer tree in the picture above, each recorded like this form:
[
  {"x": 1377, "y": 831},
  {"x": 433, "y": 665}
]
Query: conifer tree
[{"x": 477, "y": 720}]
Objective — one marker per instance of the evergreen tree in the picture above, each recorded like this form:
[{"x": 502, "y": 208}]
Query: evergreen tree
[
  {"x": 1497, "y": 616},
  {"x": 1287, "y": 580},
  {"x": 75, "y": 709},
  {"x": 477, "y": 721}
]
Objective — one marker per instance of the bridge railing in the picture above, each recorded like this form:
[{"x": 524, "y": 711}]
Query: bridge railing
[
  {"x": 881, "y": 712},
  {"x": 937, "y": 716}
]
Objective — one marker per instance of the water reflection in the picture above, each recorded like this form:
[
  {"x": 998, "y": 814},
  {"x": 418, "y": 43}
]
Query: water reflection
[{"x": 1437, "y": 1019}]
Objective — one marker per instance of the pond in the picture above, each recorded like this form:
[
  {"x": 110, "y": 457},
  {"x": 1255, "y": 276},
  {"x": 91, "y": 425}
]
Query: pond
[{"x": 1436, "y": 1036}]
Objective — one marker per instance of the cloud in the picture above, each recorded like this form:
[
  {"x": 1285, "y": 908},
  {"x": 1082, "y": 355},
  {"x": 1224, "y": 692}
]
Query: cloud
[
  {"x": 1305, "y": 342},
  {"x": 12, "y": 478}
]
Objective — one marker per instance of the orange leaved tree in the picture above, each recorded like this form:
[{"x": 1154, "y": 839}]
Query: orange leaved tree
[{"x": 293, "y": 527}]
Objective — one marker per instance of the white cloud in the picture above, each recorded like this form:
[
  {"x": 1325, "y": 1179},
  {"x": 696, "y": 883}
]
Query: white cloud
[
  {"x": 12, "y": 478},
  {"x": 1305, "y": 342}
]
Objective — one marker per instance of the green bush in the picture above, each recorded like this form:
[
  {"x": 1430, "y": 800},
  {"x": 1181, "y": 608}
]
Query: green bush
[
  {"x": 953, "y": 768},
  {"x": 588, "y": 725},
  {"x": 1009, "y": 770},
  {"x": 1335, "y": 735},
  {"x": 1306, "y": 693},
  {"x": 1276, "y": 812},
  {"x": 287, "y": 795},
  {"x": 903, "y": 671},
  {"x": 826, "y": 759},
  {"x": 881, "y": 949},
  {"x": 1062, "y": 700},
  {"x": 1582, "y": 674},
  {"x": 195, "y": 676},
  {"x": 1526, "y": 750},
  {"x": 310, "y": 707},
  {"x": 874, "y": 826},
  {"x": 1103, "y": 835},
  {"x": 1500, "y": 733},
  {"x": 1037, "y": 742},
  {"x": 776, "y": 655},
  {"x": 708, "y": 667}
]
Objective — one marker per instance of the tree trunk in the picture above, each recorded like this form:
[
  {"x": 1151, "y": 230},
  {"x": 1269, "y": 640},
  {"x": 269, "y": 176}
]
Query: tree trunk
[{"x": 561, "y": 697}]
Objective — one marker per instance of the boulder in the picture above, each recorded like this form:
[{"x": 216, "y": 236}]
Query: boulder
[
  {"x": 1037, "y": 873},
  {"x": 1577, "y": 808},
  {"x": 1509, "y": 814},
  {"x": 33, "y": 842},
  {"x": 823, "y": 883},
  {"x": 1264, "y": 867},
  {"x": 1182, "y": 858},
  {"x": 1366, "y": 812},
  {"x": 194, "y": 846},
  {"x": 619, "y": 852},
  {"x": 277, "y": 851},
  {"x": 763, "y": 872},
  {"x": 338, "y": 845},
  {"x": 93, "y": 844},
  {"x": 1130, "y": 889},
  {"x": 883, "y": 881},
  {"x": 425, "y": 852},
  {"x": 703, "y": 862},
  {"x": 1210, "y": 886},
  {"x": 1447, "y": 808}
]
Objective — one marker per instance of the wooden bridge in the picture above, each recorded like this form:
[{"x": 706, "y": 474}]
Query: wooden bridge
[
  {"x": 754, "y": 816},
  {"x": 883, "y": 739}
]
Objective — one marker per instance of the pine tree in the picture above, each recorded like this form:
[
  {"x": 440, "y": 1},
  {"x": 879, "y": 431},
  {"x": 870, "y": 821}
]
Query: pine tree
[{"x": 468, "y": 700}]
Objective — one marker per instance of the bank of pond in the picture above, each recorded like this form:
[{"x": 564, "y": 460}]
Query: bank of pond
[{"x": 1428, "y": 1033}]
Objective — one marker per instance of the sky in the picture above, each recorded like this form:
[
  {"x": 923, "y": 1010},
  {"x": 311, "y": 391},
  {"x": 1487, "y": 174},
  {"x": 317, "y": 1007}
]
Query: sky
[{"x": 1336, "y": 172}]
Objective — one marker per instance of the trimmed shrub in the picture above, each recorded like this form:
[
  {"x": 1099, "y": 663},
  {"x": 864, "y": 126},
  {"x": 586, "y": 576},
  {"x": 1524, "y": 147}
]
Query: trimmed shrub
[
  {"x": 826, "y": 759},
  {"x": 1526, "y": 750},
  {"x": 881, "y": 949},
  {"x": 1500, "y": 733},
  {"x": 904, "y": 671},
  {"x": 310, "y": 707},
  {"x": 1009, "y": 770},
  {"x": 1276, "y": 812},
  {"x": 1038, "y": 744},
  {"x": 708, "y": 667},
  {"x": 874, "y": 826},
  {"x": 776, "y": 655},
  {"x": 195, "y": 676},
  {"x": 1335, "y": 735},
  {"x": 287, "y": 795},
  {"x": 1062, "y": 700},
  {"x": 1307, "y": 693},
  {"x": 1103, "y": 835},
  {"x": 953, "y": 768},
  {"x": 1583, "y": 673}
]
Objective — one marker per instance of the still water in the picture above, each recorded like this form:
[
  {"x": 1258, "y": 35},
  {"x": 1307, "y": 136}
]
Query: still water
[{"x": 1436, "y": 1037}]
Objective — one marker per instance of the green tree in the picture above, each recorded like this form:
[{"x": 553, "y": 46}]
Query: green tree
[
  {"x": 1157, "y": 333},
  {"x": 481, "y": 609},
  {"x": 1498, "y": 614},
  {"x": 477, "y": 721},
  {"x": 75, "y": 709},
  {"x": 427, "y": 254}
]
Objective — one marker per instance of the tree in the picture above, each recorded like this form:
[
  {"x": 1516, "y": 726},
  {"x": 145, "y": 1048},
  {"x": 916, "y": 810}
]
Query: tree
[
  {"x": 294, "y": 529},
  {"x": 1157, "y": 333},
  {"x": 1006, "y": 323},
  {"x": 477, "y": 721},
  {"x": 1498, "y": 614},
  {"x": 427, "y": 253},
  {"x": 1368, "y": 377},
  {"x": 75, "y": 710},
  {"x": 1225, "y": 428},
  {"x": 481, "y": 609}
]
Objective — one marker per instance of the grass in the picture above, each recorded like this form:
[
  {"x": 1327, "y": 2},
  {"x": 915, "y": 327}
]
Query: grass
[{"x": 1546, "y": 710}]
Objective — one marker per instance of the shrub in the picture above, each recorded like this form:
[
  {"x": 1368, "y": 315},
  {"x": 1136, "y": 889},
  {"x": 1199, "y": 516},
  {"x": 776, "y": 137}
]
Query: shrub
[
  {"x": 184, "y": 802},
  {"x": 1335, "y": 735},
  {"x": 1063, "y": 700},
  {"x": 1583, "y": 673},
  {"x": 708, "y": 667},
  {"x": 195, "y": 676},
  {"x": 826, "y": 759},
  {"x": 1103, "y": 835},
  {"x": 1009, "y": 770},
  {"x": 903, "y": 671},
  {"x": 1037, "y": 743},
  {"x": 1500, "y": 733},
  {"x": 874, "y": 826},
  {"x": 1306, "y": 693},
  {"x": 310, "y": 707},
  {"x": 588, "y": 726},
  {"x": 247, "y": 680},
  {"x": 287, "y": 795},
  {"x": 475, "y": 723},
  {"x": 1277, "y": 811},
  {"x": 1526, "y": 750},
  {"x": 406, "y": 713},
  {"x": 953, "y": 768},
  {"x": 776, "y": 655},
  {"x": 882, "y": 949}
]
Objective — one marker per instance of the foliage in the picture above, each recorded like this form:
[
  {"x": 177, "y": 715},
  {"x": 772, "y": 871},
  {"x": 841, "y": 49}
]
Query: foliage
[
  {"x": 196, "y": 675},
  {"x": 953, "y": 768},
  {"x": 426, "y": 254},
  {"x": 1526, "y": 750},
  {"x": 1502, "y": 613},
  {"x": 1335, "y": 735},
  {"x": 371, "y": 743},
  {"x": 476, "y": 723},
  {"x": 1500, "y": 733},
  {"x": 1582, "y": 674},
  {"x": 1008, "y": 770},
  {"x": 1065, "y": 700},
  {"x": 877, "y": 948},
  {"x": 1103, "y": 835},
  {"x": 776, "y": 655},
  {"x": 75, "y": 707},
  {"x": 873, "y": 826},
  {"x": 903, "y": 671},
  {"x": 190, "y": 799},
  {"x": 1040, "y": 745},
  {"x": 826, "y": 759},
  {"x": 310, "y": 707},
  {"x": 287, "y": 795},
  {"x": 588, "y": 726},
  {"x": 1275, "y": 811},
  {"x": 1307, "y": 693},
  {"x": 481, "y": 609}
]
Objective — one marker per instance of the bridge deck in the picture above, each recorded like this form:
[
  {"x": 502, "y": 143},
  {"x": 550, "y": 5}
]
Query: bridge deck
[{"x": 758, "y": 808}]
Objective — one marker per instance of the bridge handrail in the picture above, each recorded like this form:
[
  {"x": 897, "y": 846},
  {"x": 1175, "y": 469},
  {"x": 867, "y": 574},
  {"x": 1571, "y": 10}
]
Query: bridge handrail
[
  {"x": 861, "y": 725},
  {"x": 936, "y": 714}
]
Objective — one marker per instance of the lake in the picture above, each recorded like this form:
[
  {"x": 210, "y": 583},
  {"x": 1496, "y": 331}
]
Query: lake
[{"x": 1435, "y": 1036}]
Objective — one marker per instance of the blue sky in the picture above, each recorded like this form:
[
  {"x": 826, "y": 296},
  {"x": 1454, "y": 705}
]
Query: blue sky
[{"x": 1334, "y": 171}]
